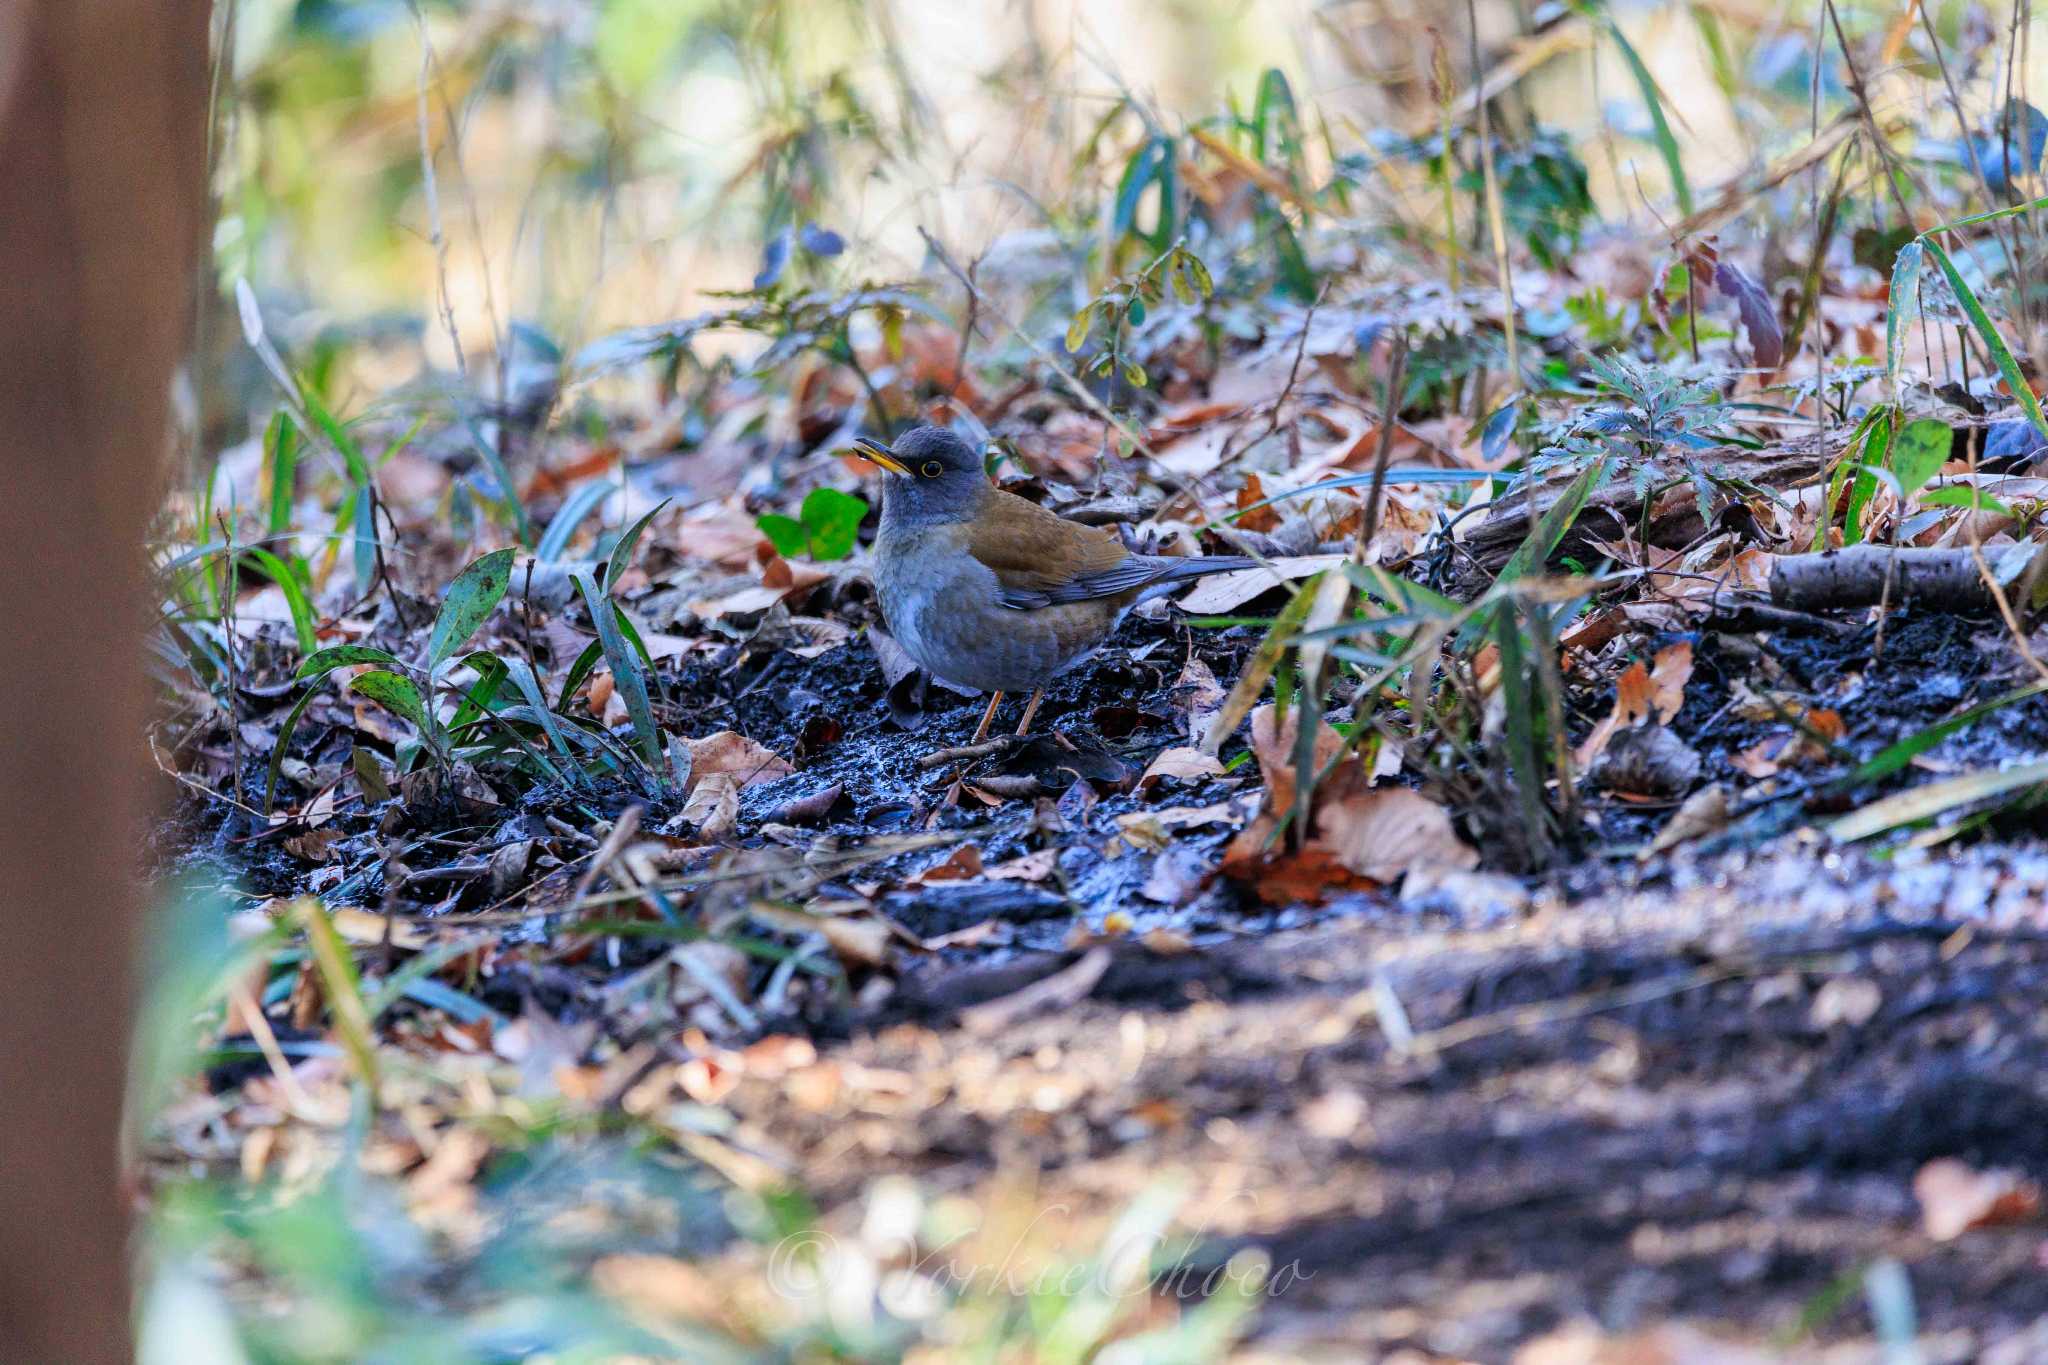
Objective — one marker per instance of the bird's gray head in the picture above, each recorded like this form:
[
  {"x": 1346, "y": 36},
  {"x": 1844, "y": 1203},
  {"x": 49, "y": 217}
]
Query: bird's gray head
[{"x": 936, "y": 476}]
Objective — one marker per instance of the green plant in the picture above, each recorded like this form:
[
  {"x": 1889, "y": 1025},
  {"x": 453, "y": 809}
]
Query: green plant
[
  {"x": 1123, "y": 302},
  {"x": 825, "y": 528}
]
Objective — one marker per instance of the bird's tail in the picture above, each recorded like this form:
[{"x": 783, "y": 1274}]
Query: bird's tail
[{"x": 1180, "y": 570}]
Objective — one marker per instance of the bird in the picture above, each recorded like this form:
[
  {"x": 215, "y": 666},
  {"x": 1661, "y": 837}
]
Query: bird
[{"x": 992, "y": 592}]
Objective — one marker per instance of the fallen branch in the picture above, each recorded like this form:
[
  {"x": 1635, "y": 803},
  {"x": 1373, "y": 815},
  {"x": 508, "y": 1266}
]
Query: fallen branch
[
  {"x": 964, "y": 753},
  {"x": 1855, "y": 577}
]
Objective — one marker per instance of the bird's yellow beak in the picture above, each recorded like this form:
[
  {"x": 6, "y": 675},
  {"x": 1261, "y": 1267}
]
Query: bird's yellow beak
[{"x": 875, "y": 451}]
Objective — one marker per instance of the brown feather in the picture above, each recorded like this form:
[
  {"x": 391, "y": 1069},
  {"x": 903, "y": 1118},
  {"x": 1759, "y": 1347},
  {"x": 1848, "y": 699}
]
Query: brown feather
[{"x": 1029, "y": 547}]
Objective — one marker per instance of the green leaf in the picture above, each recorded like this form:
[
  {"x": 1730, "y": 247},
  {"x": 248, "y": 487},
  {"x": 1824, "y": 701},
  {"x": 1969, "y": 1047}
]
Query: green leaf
[
  {"x": 395, "y": 693},
  {"x": 622, "y": 553},
  {"x": 833, "y": 519},
  {"x": 578, "y": 506},
  {"x": 325, "y": 661},
  {"x": 1919, "y": 452},
  {"x": 281, "y": 444},
  {"x": 294, "y": 588},
  {"x": 626, "y": 672},
  {"x": 1902, "y": 305},
  {"x": 2008, "y": 367},
  {"x": 1545, "y": 536},
  {"x": 1965, "y": 495},
  {"x": 1877, "y": 446},
  {"x": 471, "y": 598},
  {"x": 786, "y": 534},
  {"x": 281, "y": 747},
  {"x": 1653, "y": 98}
]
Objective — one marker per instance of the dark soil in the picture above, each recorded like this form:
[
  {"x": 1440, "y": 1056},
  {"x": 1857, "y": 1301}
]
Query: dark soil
[{"x": 1696, "y": 1086}]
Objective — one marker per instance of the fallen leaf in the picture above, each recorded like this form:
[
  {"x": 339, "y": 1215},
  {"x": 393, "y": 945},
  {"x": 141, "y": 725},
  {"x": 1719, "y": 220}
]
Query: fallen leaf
[
  {"x": 1956, "y": 1198},
  {"x": 731, "y": 753},
  {"x": 1251, "y": 516},
  {"x": 1221, "y": 593},
  {"x": 714, "y": 804},
  {"x": 1384, "y": 832},
  {"x": 1188, "y": 765},
  {"x": 1704, "y": 812}
]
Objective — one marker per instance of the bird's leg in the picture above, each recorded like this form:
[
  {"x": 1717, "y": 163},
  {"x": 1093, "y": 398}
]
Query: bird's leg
[
  {"x": 981, "y": 730},
  {"x": 1030, "y": 710},
  {"x": 980, "y": 733}
]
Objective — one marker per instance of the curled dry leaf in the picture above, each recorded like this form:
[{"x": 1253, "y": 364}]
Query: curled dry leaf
[
  {"x": 1956, "y": 1198},
  {"x": 714, "y": 804},
  {"x": 1641, "y": 692}
]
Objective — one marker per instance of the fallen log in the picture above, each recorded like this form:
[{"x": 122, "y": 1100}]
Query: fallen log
[{"x": 1856, "y": 577}]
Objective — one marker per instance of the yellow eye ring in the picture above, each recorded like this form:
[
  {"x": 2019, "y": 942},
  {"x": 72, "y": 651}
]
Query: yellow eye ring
[{"x": 932, "y": 469}]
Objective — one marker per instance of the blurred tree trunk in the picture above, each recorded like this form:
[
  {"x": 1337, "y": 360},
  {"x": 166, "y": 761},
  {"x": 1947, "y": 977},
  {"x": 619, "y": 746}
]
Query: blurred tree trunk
[{"x": 102, "y": 153}]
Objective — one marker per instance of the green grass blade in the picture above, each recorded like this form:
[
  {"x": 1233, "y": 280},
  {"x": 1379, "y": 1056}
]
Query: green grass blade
[
  {"x": 622, "y": 553},
  {"x": 627, "y": 672},
  {"x": 575, "y": 510},
  {"x": 1653, "y": 98},
  {"x": 1935, "y": 798},
  {"x": 2001, "y": 354}
]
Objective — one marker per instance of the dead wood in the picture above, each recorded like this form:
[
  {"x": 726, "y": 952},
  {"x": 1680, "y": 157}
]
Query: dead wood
[{"x": 1855, "y": 577}]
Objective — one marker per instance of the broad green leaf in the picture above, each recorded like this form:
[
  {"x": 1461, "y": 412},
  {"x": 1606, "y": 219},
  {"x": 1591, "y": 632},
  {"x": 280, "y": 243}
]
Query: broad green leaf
[
  {"x": 786, "y": 534},
  {"x": 394, "y": 693},
  {"x": 833, "y": 520},
  {"x": 471, "y": 598},
  {"x": 340, "y": 656},
  {"x": 1918, "y": 453}
]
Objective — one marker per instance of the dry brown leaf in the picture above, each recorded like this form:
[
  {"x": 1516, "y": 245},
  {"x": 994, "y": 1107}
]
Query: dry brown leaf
[
  {"x": 1252, "y": 516},
  {"x": 1385, "y": 832},
  {"x": 714, "y": 804},
  {"x": 1639, "y": 692},
  {"x": 1189, "y": 765},
  {"x": 1273, "y": 745},
  {"x": 732, "y": 753},
  {"x": 1204, "y": 696},
  {"x": 1956, "y": 1198},
  {"x": 1704, "y": 812},
  {"x": 962, "y": 864}
]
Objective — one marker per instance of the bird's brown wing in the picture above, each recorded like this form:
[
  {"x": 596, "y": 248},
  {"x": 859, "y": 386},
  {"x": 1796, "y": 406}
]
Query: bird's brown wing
[{"x": 1035, "y": 555}]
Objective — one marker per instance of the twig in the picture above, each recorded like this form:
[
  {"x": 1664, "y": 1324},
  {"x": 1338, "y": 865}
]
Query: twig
[
  {"x": 964, "y": 753},
  {"x": 1390, "y": 407},
  {"x": 1228, "y": 454}
]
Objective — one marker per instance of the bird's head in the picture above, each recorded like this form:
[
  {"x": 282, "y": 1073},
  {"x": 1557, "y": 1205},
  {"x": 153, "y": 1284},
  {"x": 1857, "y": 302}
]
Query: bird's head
[{"x": 935, "y": 476}]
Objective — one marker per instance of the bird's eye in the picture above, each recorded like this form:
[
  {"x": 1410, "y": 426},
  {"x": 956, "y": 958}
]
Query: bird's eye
[{"x": 932, "y": 469}]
